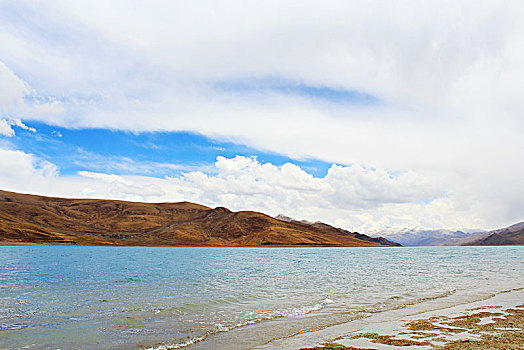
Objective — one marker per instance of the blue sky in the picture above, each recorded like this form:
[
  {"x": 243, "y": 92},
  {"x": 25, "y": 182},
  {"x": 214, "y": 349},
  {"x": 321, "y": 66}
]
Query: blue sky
[
  {"x": 366, "y": 115},
  {"x": 156, "y": 154}
]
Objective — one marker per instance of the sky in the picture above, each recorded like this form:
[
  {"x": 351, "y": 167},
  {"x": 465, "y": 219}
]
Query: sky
[{"x": 367, "y": 115}]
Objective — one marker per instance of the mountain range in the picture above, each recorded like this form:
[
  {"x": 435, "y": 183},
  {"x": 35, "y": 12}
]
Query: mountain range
[
  {"x": 512, "y": 235},
  {"x": 31, "y": 219}
]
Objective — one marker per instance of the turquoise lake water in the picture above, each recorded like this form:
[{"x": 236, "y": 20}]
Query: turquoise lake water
[{"x": 163, "y": 298}]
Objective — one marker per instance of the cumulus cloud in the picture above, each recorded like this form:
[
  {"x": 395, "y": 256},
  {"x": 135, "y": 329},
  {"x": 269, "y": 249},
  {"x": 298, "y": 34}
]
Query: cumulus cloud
[
  {"x": 244, "y": 181},
  {"x": 351, "y": 197}
]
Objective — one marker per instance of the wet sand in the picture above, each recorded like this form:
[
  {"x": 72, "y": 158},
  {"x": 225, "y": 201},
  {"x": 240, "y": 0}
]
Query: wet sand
[{"x": 482, "y": 327}]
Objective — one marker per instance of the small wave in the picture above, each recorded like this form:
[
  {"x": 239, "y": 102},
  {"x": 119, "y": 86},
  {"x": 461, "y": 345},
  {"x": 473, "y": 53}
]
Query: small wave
[
  {"x": 391, "y": 303},
  {"x": 290, "y": 312},
  {"x": 219, "y": 327},
  {"x": 193, "y": 307},
  {"x": 305, "y": 309},
  {"x": 177, "y": 346},
  {"x": 438, "y": 296}
]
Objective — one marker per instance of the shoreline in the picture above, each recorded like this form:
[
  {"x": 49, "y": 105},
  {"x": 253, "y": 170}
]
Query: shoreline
[
  {"x": 52, "y": 244},
  {"x": 496, "y": 322}
]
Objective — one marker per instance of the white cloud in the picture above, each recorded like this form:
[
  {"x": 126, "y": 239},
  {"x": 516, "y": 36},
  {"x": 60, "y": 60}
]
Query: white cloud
[
  {"x": 17, "y": 97},
  {"x": 86, "y": 191},
  {"x": 21, "y": 171},
  {"x": 245, "y": 182},
  {"x": 12, "y": 88},
  {"x": 18, "y": 123},
  {"x": 110, "y": 178},
  {"x": 5, "y": 128},
  {"x": 358, "y": 187}
]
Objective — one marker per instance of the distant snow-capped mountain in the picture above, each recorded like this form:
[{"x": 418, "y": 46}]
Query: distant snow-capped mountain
[{"x": 431, "y": 237}]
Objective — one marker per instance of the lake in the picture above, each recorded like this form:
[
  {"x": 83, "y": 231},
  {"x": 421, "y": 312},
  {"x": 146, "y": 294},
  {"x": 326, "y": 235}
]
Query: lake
[{"x": 168, "y": 298}]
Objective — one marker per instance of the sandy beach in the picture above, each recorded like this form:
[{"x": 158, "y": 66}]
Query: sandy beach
[{"x": 495, "y": 323}]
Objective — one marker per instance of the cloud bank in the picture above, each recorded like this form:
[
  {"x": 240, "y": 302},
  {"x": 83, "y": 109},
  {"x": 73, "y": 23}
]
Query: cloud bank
[{"x": 348, "y": 196}]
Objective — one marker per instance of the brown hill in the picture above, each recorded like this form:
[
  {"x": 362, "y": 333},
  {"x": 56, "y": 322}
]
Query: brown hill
[
  {"x": 30, "y": 219},
  {"x": 512, "y": 235}
]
